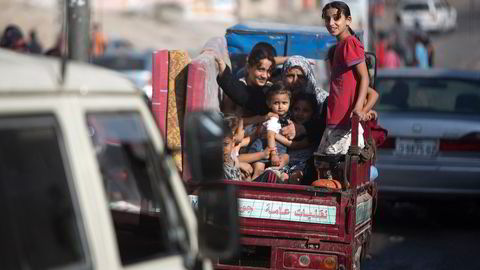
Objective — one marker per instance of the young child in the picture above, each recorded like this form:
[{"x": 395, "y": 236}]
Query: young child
[
  {"x": 300, "y": 149},
  {"x": 233, "y": 160},
  {"x": 278, "y": 101},
  {"x": 348, "y": 84},
  {"x": 230, "y": 169}
]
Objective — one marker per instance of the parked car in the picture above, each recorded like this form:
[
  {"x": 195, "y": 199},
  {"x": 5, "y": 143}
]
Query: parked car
[
  {"x": 433, "y": 119},
  {"x": 431, "y": 15},
  {"x": 118, "y": 44},
  {"x": 135, "y": 65}
]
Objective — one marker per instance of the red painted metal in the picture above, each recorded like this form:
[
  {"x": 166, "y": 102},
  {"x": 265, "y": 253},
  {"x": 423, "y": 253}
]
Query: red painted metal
[
  {"x": 278, "y": 244},
  {"x": 281, "y": 244},
  {"x": 160, "y": 89}
]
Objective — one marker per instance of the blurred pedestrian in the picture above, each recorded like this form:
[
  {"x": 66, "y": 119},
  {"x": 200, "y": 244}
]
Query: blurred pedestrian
[
  {"x": 99, "y": 40},
  {"x": 421, "y": 52},
  {"x": 34, "y": 45},
  {"x": 403, "y": 40},
  {"x": 12, "y": 38},
  {"x": 391, "y": 58},
  {"x": 427, "y": 42},
  {"x": 380, "y": 48},
  {"x": 422, "y": 41}
]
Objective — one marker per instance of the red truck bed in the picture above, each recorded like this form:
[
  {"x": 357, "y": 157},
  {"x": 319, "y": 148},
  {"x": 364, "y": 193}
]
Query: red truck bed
[{"x": 290, "y": 226}]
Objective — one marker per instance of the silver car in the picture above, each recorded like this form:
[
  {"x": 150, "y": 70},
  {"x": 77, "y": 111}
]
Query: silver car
[
  {"x": 433, "y": 119},
  {"x": 431, "y": 15}
]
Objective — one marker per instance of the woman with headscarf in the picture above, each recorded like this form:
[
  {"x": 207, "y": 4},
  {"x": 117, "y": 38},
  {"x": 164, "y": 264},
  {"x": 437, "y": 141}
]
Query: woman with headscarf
[
  {"x": 297, "y": 74},
  {"x": 12, "y": 38}
]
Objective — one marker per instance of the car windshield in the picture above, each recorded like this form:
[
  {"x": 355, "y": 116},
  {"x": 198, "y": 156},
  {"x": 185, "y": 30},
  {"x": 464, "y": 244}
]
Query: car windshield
[
  {"x": 416, "y": 7},
  {"x": 136, "y": 187},
  {"x": 429, "y": 94},
  {"x": 122, "y": 62}
]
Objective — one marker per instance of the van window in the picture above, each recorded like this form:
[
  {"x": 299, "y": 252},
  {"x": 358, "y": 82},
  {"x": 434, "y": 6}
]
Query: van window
[
  {"x": 40, "y": 226},
  {"x": 135, "y": 187}
]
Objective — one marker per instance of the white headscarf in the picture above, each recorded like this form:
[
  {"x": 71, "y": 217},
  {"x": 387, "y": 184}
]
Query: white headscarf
[{"x": 312, "y": 86}]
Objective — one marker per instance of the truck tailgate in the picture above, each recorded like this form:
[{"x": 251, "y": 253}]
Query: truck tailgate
[{"x": 293, "y": 211}]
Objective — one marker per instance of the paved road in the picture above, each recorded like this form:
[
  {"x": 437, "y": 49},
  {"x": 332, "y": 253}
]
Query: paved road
[
  {"x": 415, "y": 236},
  {"x": 459, "y": 49}
]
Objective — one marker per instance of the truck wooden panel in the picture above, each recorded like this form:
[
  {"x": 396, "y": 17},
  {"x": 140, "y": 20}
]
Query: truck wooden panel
[{"x": 177, "y": 81}]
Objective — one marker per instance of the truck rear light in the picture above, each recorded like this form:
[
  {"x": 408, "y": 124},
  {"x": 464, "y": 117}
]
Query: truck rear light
[
  {"x": 330, "y": 263},
  {"x": 309, "y": 260},
  {"x": 468, "y": 143}
]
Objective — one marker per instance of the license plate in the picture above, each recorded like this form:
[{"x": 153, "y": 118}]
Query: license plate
[{"x": 416, "y": 147}]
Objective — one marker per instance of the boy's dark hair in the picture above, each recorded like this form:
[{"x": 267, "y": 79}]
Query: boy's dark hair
[
  {"x": 230, "y": 124},
  {"x": 260, "y": 51},
  {"x": 276, "y": 89},
  {"x": 10, "y": 36},
  {"x": 308, "y": 97}
]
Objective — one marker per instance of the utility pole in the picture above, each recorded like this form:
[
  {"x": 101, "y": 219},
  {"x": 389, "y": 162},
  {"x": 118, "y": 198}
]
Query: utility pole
[{"x": 78, "y": 29}]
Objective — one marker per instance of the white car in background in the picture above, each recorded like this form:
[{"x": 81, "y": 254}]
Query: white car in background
[{"x": 431, "y": 15}]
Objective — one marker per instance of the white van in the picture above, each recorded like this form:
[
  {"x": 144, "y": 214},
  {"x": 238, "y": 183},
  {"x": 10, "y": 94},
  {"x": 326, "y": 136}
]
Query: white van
[{"x": 85, "y": 181}]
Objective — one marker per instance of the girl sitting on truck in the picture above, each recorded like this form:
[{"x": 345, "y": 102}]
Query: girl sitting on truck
[
  {"x": 249, "y": 92},
  {"x": 348, "y": 83}
]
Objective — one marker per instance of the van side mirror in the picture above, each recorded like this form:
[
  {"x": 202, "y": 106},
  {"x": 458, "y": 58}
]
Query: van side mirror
[
  {"x": 216, "y": 201},
  {"x": 371, "y": 61},
  {"x": 204, "y": 133}
]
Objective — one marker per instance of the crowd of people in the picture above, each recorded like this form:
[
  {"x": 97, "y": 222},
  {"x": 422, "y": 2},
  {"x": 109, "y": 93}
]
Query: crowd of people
[
  {"x": 403, "y": 47},
  {"x": 13, "y": 38},
  {"x": 276, "y": 123}
]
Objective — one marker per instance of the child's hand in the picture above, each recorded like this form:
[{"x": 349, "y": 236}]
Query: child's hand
[
  {"x": 361, "y": 115},
  {"x": 266, "y": 152},
  {"x": 220, "y": 64},
  {"x": 246, "y": 168},
  {"x": 372, "y": 115},
  {"x": 270, "y": 115},
  {"x": 275, "y": 160}
]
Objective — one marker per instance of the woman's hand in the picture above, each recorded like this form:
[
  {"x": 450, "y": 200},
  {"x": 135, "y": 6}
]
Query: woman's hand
[{"x": 220, "y": 64}]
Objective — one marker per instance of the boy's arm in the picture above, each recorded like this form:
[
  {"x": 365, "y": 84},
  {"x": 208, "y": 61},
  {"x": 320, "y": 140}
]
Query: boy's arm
[
  {"x": 362, "y": 86},
  {"x": 252, "y": 157},
  {"x": 372, "y": 97}
]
